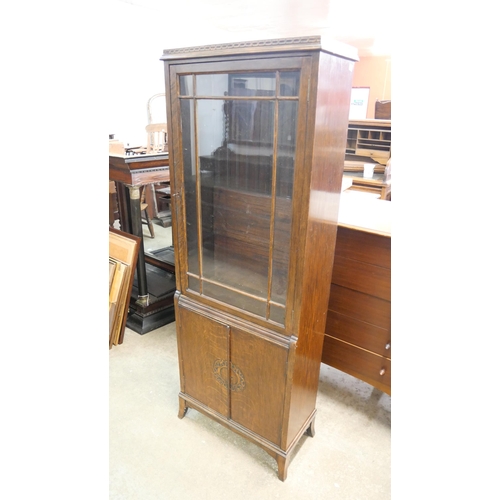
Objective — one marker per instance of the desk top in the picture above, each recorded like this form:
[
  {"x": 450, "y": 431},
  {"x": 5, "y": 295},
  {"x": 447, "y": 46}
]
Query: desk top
[
  {"x": 139, "y": 170},
  {"x": 363, "y": 211}
]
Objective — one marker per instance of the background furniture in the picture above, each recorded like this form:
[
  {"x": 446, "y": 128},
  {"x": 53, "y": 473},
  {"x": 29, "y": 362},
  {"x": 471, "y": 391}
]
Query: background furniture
[
  {"x": 382, "y": 110},
  {"x": 157, "y": 138},
  {"x": 145, "y": 218},
  {"x": 258, "y": 133},
  {"x": 123, "y": 252},
  {"x": 369, "y": 139},
  {"x": 151, "y": 304},
  {"x": 380, "y": 183},
  {"x": 358, "y": 327}
]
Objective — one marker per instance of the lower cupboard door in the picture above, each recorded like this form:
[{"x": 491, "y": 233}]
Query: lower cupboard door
[
  {"x": 258, "y": 382},
  {"x": 203, "y": 355}
]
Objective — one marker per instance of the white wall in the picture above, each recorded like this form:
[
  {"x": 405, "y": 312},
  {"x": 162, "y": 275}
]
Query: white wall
[{"x": 139, "y": 31}]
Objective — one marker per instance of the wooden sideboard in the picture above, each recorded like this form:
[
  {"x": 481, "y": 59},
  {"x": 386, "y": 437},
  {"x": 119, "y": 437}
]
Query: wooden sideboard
[{"x": 358, "y": 328}]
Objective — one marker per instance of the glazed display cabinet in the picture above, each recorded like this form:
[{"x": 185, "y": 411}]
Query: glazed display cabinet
[{"x": 257, "y": 141}]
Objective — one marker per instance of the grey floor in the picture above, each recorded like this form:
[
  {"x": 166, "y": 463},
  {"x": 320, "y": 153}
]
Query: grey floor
[{"x": 155, "y": 455}]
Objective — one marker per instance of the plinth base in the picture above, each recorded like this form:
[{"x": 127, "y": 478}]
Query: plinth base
[{"x": 160, "y": 310}]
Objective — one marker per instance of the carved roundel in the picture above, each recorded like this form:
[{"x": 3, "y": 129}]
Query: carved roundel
[{"x": 220, "y": 370}]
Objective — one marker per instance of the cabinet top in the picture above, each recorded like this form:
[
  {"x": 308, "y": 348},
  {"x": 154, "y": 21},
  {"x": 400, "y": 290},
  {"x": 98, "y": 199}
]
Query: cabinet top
[
  {"x": 280, "y": 45},
  {"x": 362, "y": 212}
]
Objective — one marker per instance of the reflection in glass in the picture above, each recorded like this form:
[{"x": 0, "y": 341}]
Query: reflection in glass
[
  {"x": 186, "y": 84},
  {"x": 289, "y": 83},
  {"x": 236, "y": 227},
  {"x": 240, "y": 84},
  {"x": 189, "y": 162},
  {"x": 253, "y": 84},
  {"x": 283, "y": 204}
]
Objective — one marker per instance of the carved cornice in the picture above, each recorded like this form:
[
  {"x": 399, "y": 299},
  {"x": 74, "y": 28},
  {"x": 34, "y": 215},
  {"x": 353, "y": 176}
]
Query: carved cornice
[
  {"x": 245, "y": 45},
  {"x": 255, "y": 46}
]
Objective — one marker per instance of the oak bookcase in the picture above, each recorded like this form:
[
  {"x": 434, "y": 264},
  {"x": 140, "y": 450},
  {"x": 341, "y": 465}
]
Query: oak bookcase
[{"x": 257, "y": 134}]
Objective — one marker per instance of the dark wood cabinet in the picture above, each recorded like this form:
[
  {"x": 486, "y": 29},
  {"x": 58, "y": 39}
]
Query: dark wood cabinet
[{"x": 257, "y": 141}]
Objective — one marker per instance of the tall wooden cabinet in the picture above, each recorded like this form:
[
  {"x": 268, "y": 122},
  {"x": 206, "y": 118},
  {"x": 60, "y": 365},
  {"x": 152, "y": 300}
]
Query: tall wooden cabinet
[{"x": 257, "y": 142}]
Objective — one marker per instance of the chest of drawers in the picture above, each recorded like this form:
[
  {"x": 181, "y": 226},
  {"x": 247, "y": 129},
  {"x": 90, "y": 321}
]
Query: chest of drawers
[{"x": 358, "y": 328}]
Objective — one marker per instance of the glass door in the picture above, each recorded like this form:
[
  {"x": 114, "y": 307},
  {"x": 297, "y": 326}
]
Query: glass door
[{"x": 238, "y": 134}]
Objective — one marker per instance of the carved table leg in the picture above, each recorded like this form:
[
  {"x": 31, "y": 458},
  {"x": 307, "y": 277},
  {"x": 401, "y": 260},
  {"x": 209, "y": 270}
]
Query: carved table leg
[{"x": 135, "y": 216}]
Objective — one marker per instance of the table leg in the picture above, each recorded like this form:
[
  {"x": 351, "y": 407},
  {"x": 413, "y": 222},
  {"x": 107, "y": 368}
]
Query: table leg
[{"x": 135, "y": 217}]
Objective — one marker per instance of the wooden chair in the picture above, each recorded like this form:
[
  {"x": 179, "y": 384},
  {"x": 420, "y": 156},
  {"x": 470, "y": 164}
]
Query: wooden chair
[
  {"x": 157, "y": 127},
  {"x": 157, "y": 138}
]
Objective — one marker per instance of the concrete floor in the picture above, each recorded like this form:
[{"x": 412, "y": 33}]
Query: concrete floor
[{"x": 155, "y": 455}]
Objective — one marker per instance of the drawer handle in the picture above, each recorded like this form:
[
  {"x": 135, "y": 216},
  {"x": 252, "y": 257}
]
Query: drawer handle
[
  {"x": 388, "y": 346},
  {"x": 382, "y": 371}
]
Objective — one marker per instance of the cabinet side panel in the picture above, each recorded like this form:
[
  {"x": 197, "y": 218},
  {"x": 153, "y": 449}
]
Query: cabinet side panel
[
  {"x": 258, "y": 405},
  {"x": 331, "y": 113},
  {"x": 203, "y": 352}
]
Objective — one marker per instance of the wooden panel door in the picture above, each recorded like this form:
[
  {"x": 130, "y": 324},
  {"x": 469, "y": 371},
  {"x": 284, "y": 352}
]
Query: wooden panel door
[
  {"x": 258, "y": 402},
  {"x": 203, "y": 357}
]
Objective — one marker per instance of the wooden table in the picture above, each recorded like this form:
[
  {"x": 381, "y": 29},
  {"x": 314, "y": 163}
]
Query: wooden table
[{"x": 130, "y": 173}]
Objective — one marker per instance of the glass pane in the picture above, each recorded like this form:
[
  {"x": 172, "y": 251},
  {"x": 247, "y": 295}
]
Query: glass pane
[
  {"x": 287, "y": 129},
  {"x": 289, "y": 83},
  {"x": 188, "y": 150},
  {"x": 277, "y": 314},
  {"x": 186, "y": 84},
  {"x": 251, "y": 123},
  {"x": 245, "y": 302},
  {"x": 252, "y": 84},
  {"x": 194, "y": 284},
  {"x": 236, "y": 152},
  {"x": 212, "y": 85},
  {"x": 240, "y": 84},
  {"x": 283, "y": 205},
  {"x": 236, "y": 208}
]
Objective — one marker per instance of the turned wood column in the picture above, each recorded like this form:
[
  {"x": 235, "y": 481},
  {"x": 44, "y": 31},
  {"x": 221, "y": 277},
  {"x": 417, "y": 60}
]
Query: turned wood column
[{"x": 135, "y": 218}]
